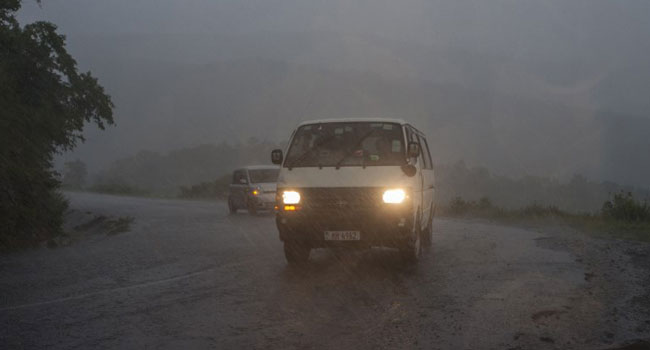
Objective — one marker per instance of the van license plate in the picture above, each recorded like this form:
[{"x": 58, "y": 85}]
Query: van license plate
[{"x": 342, "y": 235}]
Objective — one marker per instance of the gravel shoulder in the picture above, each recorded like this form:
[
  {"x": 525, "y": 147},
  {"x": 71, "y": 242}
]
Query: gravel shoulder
[{"x": 186, "y": 274}]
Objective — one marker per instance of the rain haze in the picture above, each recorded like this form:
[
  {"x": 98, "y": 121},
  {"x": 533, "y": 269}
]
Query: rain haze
[{"x": 312, "y": 174}]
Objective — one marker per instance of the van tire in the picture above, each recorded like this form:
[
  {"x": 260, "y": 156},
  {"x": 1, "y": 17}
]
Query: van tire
[
  {"x": 252, "y": 209},
  {"x": 232, "y": 209},
  {"x": 427, "y": 234},
  {"x": 411, "y": 250},
  {"x": 296, "y": 253}
]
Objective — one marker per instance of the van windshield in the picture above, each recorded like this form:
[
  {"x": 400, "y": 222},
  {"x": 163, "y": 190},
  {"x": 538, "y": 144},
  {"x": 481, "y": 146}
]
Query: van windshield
[
  {"x": 347, "y": 144},
  {"x": 263, "y": 175}
]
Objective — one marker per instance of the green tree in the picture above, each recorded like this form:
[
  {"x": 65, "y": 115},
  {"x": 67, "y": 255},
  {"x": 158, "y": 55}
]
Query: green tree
[
  {"x": 44, "y": 104},
  {"x": 74, "y": 176}
]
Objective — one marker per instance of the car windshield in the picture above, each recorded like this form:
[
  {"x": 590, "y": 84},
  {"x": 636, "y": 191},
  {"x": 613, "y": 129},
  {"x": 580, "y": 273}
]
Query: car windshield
[
  {"x": 263, "y": 175},
  {"x": 347, "y": 144}
]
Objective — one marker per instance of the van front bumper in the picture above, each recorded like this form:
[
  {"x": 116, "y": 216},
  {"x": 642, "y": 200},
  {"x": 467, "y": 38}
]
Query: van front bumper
[
  {"x": 385, "y": 226},
  {"x": 263, "y": 202}
]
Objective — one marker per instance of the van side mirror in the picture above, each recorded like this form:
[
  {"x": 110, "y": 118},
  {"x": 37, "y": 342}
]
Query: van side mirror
[
  {"x": 413, "y": 149},
  {"x": 409, "y": 169},
  {"x": 276, "y": 156}
]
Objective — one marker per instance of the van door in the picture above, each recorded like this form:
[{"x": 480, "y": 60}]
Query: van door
[
  {"x": 428, "y": 181},
  {"x": 412, "y": 136}
]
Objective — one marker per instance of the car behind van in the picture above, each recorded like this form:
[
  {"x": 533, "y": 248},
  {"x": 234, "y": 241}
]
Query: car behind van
[
  {"x": 355, "y": 183},
  {"x": 253, "y": 188}
]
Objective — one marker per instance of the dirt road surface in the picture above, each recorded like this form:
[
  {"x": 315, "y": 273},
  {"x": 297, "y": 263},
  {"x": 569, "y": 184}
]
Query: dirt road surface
[{"x": 187, "y": 275}]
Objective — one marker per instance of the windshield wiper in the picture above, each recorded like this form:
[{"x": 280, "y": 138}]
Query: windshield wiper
[
  {"x": 307, "y": 152},
  {"x": 349, "y": 152}
]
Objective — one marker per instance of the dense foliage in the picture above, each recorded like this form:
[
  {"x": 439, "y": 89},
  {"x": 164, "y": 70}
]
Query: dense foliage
[
  {"x": 624, "y": 207},
  {"x": 44, "y": 104}
]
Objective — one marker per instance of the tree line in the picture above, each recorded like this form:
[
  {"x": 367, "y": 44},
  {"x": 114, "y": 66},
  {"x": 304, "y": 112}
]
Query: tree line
[
  {"x": 204, "y": 172},
  {"x": 44, "y": 104}
]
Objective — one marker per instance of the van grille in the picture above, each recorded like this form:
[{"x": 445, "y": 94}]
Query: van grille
[{"x": 341, "y": 199}]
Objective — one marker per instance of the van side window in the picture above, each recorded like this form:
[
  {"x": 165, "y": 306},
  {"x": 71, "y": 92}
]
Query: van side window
[
  {"x": 409, "y": 134},
  {"x": 237, "y": 176},
  {"x": 425, "y": 150},
  {"x": 423, "y": 157}
]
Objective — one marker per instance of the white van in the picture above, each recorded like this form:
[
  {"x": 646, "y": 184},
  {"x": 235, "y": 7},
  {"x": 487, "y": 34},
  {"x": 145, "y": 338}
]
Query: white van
[
  {"x": 356, "y": 183},
  {"x": 253, "y": 188}
]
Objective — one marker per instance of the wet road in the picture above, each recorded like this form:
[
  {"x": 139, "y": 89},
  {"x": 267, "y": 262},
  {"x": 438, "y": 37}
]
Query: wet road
[{"x": 187, "y": 275}]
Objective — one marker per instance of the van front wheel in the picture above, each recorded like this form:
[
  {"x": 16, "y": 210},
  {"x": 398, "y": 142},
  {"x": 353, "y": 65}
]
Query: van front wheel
[
  {"x": 232, "y": 209},
  {"x": 412, "y": 248},
  {"x": 296, "y": 252},
  {"x": 427, "y": 234},
  {"x": 252, "y": 209}
]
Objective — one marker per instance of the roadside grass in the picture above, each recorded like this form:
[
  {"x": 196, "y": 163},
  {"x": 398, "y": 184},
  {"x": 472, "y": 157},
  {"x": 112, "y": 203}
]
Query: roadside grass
[
  {"x": 125, "y": 192},
  {"x": 602, "y": 227},
  {"x": 205, "y": 191},
  {"x": 119, "y": 225},
  {"x": 96, "y": 225},
  {"x": 119, "y": 189},
  {"x": 627, "y": 219}
]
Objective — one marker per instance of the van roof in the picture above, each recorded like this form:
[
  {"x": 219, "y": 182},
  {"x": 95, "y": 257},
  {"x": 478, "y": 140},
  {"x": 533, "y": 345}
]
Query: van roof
[
  {"x": 260, "y": 167},
  {"x": 352, "y": 120}
]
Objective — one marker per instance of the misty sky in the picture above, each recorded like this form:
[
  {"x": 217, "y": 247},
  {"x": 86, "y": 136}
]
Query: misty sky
[
  {"x": 516, "y": 63},
  {"x": 600, "y": 29}
]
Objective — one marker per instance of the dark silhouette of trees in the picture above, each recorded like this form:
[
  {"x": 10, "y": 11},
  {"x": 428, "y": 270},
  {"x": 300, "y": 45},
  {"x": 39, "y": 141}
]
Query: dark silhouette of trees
[{"x": 44, "y": 104}]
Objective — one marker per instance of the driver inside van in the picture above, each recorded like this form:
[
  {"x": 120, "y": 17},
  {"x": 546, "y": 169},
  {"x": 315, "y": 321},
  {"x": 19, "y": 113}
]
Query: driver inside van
[{"x": 382, "y": 147}]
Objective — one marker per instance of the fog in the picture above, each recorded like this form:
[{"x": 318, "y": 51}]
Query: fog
[{"x": 550, "y": 88}]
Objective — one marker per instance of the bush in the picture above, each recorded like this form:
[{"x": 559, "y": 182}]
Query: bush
[
  {"x": 537, "y": 210},
  {"x": 214, "y": 189},
  {"x": 119, "y": 188},
  {"x": 460, "y": 207},
  {"x": 484, "y": 208},
  {"x": 27, "y": 224},
  {"x": 624, "y": 207},
  {"x": 622, "y": 217}
]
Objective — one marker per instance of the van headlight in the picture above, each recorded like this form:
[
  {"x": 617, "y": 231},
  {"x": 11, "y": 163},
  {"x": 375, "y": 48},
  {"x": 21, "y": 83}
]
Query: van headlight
[
  {"x": 290, "y": 197},
  {"x": 394, "y": 196}
]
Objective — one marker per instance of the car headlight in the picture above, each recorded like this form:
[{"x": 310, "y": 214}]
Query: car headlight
[
  {"x": 290, "y": 197},
  {"x": 394, "y": 196}
]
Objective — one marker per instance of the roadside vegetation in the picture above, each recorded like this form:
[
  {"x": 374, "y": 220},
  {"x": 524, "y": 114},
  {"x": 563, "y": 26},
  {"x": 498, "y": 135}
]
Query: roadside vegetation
[
  {"x": 45, "y": 102},
  {"x": 83, "y": 225},
  {"x": 204, "y": 172},
  {"x": 207, "y": 190},
  {"x": 119, "y": 189},
  {"x": 622, "y": 216},
  {"x": 194, "y": 172}
]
